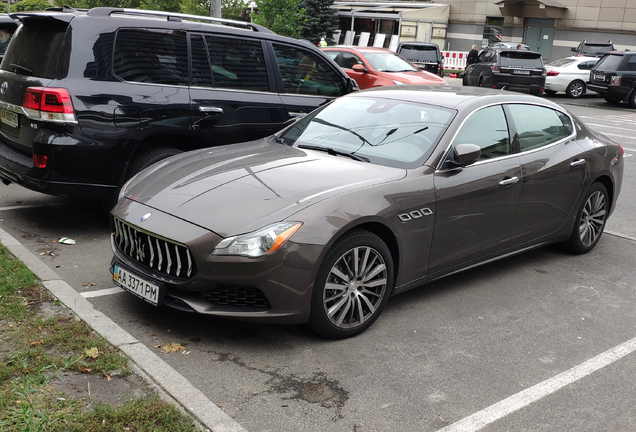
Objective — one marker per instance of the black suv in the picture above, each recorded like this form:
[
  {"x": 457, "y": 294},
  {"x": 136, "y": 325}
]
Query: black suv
[
  {"x": 425, "y": 56},
  {"x": 509, "y": 69},
  {"x": 89, "y": 98},
  {"x": 614, "y": 77},
  {"x": 589, "y": 49}
]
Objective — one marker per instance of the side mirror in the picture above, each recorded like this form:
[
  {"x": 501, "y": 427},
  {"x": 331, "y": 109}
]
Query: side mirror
[
  {"x": 466, "y": 154},
  {"x": 352, "y": 85},
  {"x": 573, "y": 49},
  {"x": 359, "y": 68}
]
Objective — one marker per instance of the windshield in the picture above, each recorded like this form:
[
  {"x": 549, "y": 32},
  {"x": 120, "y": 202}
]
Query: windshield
[
  {"x": 415, "y": 53},
  {"x": 387, "y": 132},
  {"x": 389, "y": 62},
  {"x": 597, "y": 49}
]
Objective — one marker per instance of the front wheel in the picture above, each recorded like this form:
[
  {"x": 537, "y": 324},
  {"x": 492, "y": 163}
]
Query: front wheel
[
  {"x": 590, "y": 220},
  {"x": 632, "y": 99},
  {"x": 353, "y": 285},
  {"x": 575, "y": 89}
]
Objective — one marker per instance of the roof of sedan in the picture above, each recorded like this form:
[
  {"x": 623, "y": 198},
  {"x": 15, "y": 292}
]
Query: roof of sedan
[
  {"x": 359, "y": 49},
  {"x": 452, "y": 96}
]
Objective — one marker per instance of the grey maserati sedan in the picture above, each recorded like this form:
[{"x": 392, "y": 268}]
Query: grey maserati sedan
[{"x": 376, "y": 193}]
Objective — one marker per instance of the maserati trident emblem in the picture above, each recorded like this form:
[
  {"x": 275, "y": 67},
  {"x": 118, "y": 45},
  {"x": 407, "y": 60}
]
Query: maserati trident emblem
[
  {"x": 146, "y": 216},
  {"x": 139, "y": 249},
  {"x": 4, "y": 87}
]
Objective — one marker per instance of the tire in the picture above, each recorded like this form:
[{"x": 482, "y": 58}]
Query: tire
[
  {"x": 356, "y": 295},
  {"x": 481, "y": 82},
  {"x": 149, "y": 157},
  {"x": 464, "y": 81},
  {"x": 612, "y": 99},
  {"x": 550, "y": 92},
  {"x": 590, "y": 220},
  {"x": 632, "y": 99},
  {"x": 575, "y": 89}
]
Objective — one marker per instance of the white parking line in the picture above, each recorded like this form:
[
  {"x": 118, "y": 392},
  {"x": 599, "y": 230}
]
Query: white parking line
[
  {"x": 524, "y": 398},
  {"x": 609, "y": 126},
  {"x": 103, "y": 292},
  {"x": 27, "y": 206}
]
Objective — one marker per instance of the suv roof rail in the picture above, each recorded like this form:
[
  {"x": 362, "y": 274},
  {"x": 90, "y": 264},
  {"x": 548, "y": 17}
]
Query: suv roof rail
[{"x": 173, "y": 16}]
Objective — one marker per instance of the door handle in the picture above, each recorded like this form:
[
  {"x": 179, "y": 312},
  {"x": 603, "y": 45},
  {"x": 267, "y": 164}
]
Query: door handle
[
  {"x": 509, "y": 181},
  {"x": 297, "y": 114},
  {"x": 211, "y": 109},
  {"x": 577, "y": 162}
]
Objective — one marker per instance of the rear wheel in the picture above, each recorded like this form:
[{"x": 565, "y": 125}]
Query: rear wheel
[
  {"x": 575, "y": 89},
  {"x": 352, "y": 287},
  {"x": 590, "y": 220},
  {"x": 611, "y": 99},
  {"x": 464, "y": 81},
  {"x": 632, "y": 99},
  {"x": 149, "y": 157},
  {"x": 481, "y": 82}
]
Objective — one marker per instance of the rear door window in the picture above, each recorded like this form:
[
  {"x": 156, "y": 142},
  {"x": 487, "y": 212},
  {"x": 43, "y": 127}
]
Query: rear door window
[
  {"x": 538, "y": 126},
  {"x": 36, "y": 47},
  {"x": 609, "y": 62},
  {"x": 151, "y": 56}
]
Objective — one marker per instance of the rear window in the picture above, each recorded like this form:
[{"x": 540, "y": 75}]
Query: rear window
[
  {"x": 561, "y": 62},
  {"x": 596, "y": 49},
  {"x": 36, "y": 47},
  {"x": 609, "y": 62},
  {"x": 521, "y": 59},
  {"x": 414, "y": 52}
]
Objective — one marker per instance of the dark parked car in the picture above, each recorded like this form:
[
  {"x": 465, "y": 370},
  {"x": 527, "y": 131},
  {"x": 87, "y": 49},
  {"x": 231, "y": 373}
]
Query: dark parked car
[
  {"x": 589, "y": 49},
  {"x": 509, "y": 69},
  {"x": 425, "y": 56},
  {"x": 614, "y": 77},
  {"x": 89, "y": 98},
  {"x": 376, "y": 193},
  {"x": 510, "y": 45}
]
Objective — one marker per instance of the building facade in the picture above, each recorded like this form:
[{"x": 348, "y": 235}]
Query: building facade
[{"x": 548, "y": 26}]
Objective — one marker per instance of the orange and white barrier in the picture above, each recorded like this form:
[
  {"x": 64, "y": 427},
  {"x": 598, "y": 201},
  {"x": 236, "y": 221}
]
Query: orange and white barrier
[{"x": 455, "y": 60}]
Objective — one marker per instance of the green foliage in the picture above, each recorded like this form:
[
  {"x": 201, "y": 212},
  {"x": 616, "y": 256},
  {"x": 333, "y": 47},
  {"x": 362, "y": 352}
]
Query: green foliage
[
  {"x": 230, "y": 9},
  {"x": 161, "y": 5},
  {"x": 320, "y": 20},
  {"x": 87, "y": 4},
  {"x": 284, "y": 17},
  {"x": 30, "y": 5}
]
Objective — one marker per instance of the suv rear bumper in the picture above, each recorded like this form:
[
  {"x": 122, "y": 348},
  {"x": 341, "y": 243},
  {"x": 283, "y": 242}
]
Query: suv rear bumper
[
  {"x": 524, "y": 88},
  {"x": 617, "y": 92}
]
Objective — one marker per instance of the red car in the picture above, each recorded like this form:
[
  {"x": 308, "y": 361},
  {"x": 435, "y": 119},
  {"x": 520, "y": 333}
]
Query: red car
[{"x": 374, "y": 67}]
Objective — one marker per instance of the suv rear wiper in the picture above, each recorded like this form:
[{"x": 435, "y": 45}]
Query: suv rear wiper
[
  {"x": 334, "y": 152},
  {"x": 19, "y": 68}
]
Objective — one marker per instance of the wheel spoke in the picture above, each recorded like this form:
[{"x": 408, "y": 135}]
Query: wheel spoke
[
  {"x": 373, "y": 273},
  {"x": 333, "y": 310},
  {"x": 336, "y": 271},
  {"x": 374, "y": 283}
]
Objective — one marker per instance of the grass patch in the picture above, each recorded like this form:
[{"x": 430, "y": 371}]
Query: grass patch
[{"x": 35, "y": 350}]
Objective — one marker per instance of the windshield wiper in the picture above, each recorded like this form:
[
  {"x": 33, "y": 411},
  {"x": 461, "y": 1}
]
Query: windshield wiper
[
  {"x": 19, "y": 68},
  {"x": 326, "y": 123},
  {"x": 334, "y": 152}
]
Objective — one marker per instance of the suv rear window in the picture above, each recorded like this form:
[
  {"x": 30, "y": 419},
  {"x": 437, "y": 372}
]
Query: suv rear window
[
  {"x": 36, "y": 46},
  {"x": 521, "y": 59},
  {"x": 151, "y": 56},
  {"x": 609, "y": 62},
  {"x": 419, "y": 52}
]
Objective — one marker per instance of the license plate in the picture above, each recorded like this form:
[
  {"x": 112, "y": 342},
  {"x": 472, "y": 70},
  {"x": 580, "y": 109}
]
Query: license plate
[
  {"x": 599, "y": 77},
  {"x": 9, "y": 118},
  {"x": 521, "y": 72},
  {"x": 140, "y": 287}
]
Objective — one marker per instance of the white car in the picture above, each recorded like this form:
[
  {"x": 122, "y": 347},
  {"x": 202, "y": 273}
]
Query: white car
[{"x": 568, "y": 75}]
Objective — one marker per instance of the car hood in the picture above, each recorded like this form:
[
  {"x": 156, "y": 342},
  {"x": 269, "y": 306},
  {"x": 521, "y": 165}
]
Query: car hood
[
  {"x": 415, "y": 77},
  {"x": 238, "y": 188}
]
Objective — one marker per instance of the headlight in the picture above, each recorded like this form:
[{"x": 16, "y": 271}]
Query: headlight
[
  {"x": 398, "y": 82},
  {"x": 258, "y": 243}
]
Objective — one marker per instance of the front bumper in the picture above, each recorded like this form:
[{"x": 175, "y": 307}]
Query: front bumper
[{"x": 273, "y": 289}]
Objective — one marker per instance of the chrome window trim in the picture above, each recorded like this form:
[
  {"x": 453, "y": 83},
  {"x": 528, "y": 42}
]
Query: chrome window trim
[{"x": 438, "y": 168}]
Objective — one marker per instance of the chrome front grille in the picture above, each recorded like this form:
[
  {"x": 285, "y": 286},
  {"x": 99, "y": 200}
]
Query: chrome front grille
[{"x": 156, "y": 253}]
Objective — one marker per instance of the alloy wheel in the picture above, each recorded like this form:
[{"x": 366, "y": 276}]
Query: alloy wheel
[
  {"x": 355, "y": 288},
  {"x": 592, "y": 218}
]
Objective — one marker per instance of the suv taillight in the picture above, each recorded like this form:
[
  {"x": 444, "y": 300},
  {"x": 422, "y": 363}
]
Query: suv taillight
[
  {"x": 495, "y": 68},
  {"x": 615, "y": 80},
  {"x": 49, "y": 104}
]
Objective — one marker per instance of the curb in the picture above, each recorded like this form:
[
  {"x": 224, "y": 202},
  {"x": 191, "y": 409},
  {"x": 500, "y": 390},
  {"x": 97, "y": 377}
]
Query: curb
[{"x": 163, "y": 375}]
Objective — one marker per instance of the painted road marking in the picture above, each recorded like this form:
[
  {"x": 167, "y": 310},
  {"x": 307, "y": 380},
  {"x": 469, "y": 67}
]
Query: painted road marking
[
  {"x": 610, "y": 127},
  {"x": 103, "y": 292},
  {"x": 524, "y": 398},
  {"x": 27, "y": 206}
]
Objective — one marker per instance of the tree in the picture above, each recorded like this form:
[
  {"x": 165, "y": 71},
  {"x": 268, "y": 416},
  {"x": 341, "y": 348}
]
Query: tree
[
  {"x": 320, "y": 20},
  {"x": 230, "y": 9},
  {"x": 284, "y": 17},
  {"x": 30, "y": 5}
]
